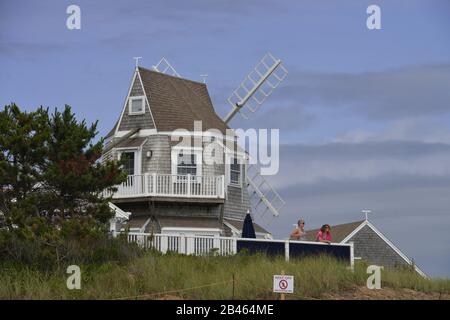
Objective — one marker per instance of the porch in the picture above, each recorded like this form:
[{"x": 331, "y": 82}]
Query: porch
[{"x": 172, "y": 186}]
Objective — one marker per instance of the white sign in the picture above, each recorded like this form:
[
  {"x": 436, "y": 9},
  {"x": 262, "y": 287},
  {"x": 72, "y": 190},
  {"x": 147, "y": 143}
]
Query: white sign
[{"x": 283, "y": 284}]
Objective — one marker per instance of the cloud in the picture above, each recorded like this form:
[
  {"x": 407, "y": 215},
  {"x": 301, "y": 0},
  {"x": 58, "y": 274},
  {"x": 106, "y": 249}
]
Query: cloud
[
  {"x": 390, "y": 94},
  {"x": 430, "y": 130},
  {"x": 406, "y": 184},
  {"x": 29, "y": 48},
  {"x": 342, "y": 162}
]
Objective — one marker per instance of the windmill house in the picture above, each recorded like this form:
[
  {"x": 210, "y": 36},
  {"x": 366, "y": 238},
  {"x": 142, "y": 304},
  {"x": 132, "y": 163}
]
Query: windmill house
[{"x": 171, "y": 187}]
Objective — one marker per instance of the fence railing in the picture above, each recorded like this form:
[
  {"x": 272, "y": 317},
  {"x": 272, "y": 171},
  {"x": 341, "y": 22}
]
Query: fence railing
[
  {"x": 168, "y": 185},
  {"x": 203, "y": 245}
]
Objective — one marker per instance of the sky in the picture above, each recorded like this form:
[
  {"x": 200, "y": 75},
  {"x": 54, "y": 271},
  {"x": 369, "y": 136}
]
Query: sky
[{"x": 364, "y": 115}]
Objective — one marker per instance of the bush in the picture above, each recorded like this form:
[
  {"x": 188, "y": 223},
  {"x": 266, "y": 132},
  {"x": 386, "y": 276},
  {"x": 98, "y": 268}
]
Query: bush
[{"x": 46, "y": 255}]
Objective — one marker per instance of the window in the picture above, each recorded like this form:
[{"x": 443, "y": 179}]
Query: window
[
  {"x": 187, "y": 161},
  {"x": 129, "y": 162},
  {"x": 187, "y": 164},
  {"x": 136, "y": 105},
  {"x": 235, "y": 171}
]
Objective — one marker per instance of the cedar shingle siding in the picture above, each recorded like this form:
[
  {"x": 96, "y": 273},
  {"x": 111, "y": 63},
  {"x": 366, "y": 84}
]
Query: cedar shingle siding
[
  {"x": 143, "y": 121},
  {"x": 160, "y": 161},
  {"x": 374, "y": 250},
  {"x": 237, "y": 203},
  {"x": 167, "y": 209}
]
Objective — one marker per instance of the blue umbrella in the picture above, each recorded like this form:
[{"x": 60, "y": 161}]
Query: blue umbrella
[{"x": 248, "y": 230}]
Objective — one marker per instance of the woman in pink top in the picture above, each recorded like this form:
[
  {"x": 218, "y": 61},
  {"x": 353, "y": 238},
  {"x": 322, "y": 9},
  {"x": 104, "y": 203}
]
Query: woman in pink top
[{"x": 324, "y": 234}]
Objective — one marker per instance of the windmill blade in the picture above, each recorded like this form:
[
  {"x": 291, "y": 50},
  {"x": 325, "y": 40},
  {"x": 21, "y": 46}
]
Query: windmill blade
[
  {"x": 165, "y": 67},
  {"x": 264, "y": 199},
  {"x": 256, "y": 87}
]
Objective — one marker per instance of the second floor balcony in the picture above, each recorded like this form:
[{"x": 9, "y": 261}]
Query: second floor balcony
[{"x": 173, "y": 186}]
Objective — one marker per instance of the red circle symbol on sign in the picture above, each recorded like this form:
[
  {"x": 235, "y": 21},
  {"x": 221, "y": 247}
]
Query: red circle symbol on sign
[{"x": 283, "y": 284}]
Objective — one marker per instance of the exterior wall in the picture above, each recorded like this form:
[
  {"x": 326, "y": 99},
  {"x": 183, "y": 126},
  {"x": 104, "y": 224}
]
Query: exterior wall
[
  {"x": 160, "y": 162},
  {"x": 236, "y": 203},
  {"x": 213, "y": 169},
  {"x": 187, "y": 210},
  {"x": 108, "y": 156},
  {"x": 171, "y": 209},
  {"x": 161, "y": 159},
  {"x": 374, "y": 250},
  {"x": 143, "y": 121}
]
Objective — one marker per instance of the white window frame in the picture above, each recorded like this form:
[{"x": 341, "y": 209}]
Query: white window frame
[
  {"x": 195, "y": 150},
  {"x": 130, "y": 110},
  {"x": 230, "y": 156}
]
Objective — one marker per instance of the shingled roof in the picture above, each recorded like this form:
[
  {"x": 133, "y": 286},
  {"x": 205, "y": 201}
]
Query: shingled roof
[
  {"x": 176, "y": 103},
  {"x": 338, "y": 232}
]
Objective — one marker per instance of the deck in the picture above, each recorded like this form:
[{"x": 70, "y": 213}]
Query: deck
[{"x": 170, "y": 187}]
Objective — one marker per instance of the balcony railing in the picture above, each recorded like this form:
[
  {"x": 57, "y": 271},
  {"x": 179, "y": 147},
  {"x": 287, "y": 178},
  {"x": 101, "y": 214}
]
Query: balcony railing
[
  {"x": 168, "y": 185},
  {"x": 225, "y": 246}
]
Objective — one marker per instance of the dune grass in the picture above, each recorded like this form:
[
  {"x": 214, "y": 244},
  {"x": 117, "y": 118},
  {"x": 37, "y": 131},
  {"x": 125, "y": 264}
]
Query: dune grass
[{"x": 154, "y": 275}]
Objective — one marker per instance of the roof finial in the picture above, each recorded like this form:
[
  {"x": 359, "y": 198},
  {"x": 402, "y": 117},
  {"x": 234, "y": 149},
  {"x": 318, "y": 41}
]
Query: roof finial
[
  {"x": 137, "y": 60},
  {"x": 366, "y": 212}
]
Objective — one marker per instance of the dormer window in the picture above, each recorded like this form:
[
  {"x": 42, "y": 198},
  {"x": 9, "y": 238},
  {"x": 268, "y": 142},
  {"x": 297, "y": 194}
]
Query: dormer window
[{"x": 136, "y": 105}]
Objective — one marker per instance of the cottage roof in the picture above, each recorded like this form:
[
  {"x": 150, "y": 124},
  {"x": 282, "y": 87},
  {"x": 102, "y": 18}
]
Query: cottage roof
[
  {"x": 338, "y": 232},
  {"x": 176, "y": 103},
  {"x": 344, "y": 232}
]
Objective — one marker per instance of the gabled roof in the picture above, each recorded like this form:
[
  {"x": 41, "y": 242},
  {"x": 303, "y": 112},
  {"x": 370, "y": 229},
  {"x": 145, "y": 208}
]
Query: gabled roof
[
  {"x": 344, "y": 232},
  {"x": 176, "y": 103},
  {"x": 338, "y": 232}
]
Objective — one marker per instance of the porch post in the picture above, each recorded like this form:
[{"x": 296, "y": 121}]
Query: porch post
[
  {"x": 188, "y": 189},
  {"x": 153, "y": 184},
  {"x": 286, "y": 250},
  {"x": 146, "y": 177},
  {"x": 182, "y": 248},
  {"x": 352, "y": 256}
]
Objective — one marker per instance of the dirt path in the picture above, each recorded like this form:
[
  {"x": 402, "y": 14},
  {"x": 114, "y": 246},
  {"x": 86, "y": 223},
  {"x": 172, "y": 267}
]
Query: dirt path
[{"x": 362, "y": 293}]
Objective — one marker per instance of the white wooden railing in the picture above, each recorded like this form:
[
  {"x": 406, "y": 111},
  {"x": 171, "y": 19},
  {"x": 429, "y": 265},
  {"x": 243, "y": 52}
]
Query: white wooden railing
[
  {"x": 195, "y": 245},
  {"x": 168, "y": 185}
]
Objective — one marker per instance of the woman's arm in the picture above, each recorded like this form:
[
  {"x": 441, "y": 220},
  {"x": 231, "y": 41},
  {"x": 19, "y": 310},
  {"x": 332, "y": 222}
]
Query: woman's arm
[
  {"x": 295, "y": 233},
  {"x": 320, "y": 238}
]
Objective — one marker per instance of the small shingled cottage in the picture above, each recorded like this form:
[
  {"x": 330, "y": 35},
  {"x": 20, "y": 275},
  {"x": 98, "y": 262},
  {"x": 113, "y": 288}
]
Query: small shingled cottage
[
  {"x": 369, "y": 244},
  {"x": 171, "y": 189}
]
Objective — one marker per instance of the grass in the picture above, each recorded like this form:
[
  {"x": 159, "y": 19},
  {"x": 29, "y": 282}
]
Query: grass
[{"x": 155, "y": 275}]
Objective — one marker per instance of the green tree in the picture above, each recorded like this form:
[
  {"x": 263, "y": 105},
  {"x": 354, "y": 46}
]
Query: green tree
[{"x": 51, "y": 176}]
